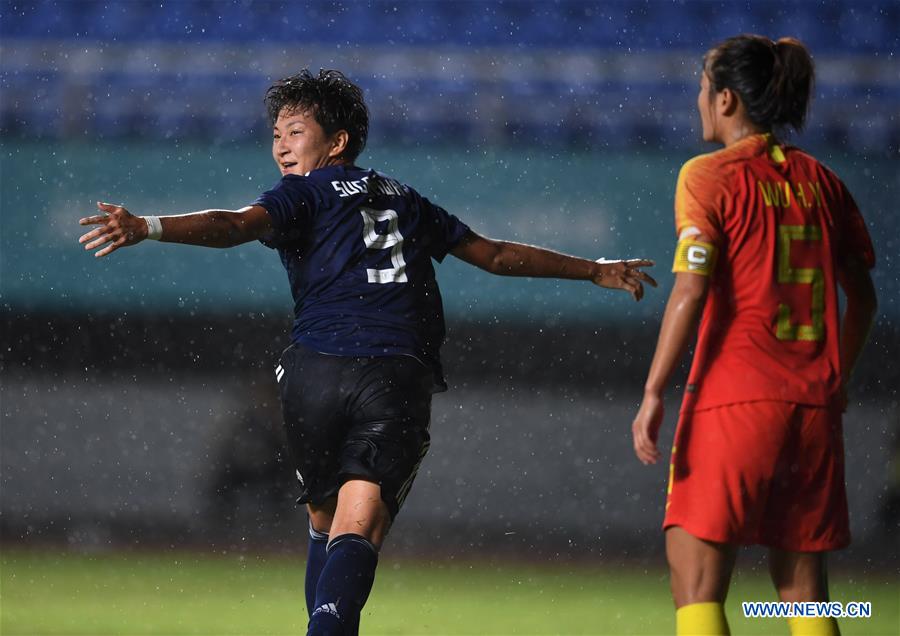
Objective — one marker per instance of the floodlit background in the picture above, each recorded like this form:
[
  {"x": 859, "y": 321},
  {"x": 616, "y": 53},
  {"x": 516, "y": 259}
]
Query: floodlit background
[{"x": 137, "y": 401}]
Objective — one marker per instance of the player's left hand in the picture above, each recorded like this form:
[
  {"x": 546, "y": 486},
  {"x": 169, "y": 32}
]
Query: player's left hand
[
  {"x": 118, "y": 227},
  {"x": 645, "y": 429},
  {"x": 624, "y": 275}
]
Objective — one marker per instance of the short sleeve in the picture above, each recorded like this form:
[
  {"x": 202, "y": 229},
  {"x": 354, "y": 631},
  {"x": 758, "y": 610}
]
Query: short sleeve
[
  {"x": 445, "y": 230},
  {"x": 853, "y": 235},
  {"x": 698, "y": 199},
  {"x": 291, "y": 204}
]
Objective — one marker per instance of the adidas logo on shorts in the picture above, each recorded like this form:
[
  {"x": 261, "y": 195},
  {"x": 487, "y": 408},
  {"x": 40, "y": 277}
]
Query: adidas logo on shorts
[{"x": 328, "y": 608}]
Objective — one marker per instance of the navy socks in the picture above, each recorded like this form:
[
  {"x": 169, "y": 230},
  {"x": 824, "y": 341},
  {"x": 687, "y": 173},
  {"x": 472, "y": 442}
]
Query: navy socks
[
  {"x": 315, "y": 561},
  {"x": 344, "y": 586}
]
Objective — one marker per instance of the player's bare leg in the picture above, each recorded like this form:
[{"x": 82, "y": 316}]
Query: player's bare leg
[
  {"x": 800, "y": 577},
  {"x": 357, "y": 529},
  {"x": 700, "y": 574},
  {"x": 360, "y": 510},
  {"x": 321, "y": 516},
  {"x": 701, "y": 570}
]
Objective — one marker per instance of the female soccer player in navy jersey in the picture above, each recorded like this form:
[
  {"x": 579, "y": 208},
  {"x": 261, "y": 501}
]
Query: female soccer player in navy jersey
[
  {"x": 357, "y": 380},
  {"x": 765, "y": 235}
]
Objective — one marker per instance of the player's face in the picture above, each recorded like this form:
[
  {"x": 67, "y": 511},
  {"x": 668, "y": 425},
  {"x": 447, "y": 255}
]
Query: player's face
[
  {"x": 706, "y": 106},
  {"x": 299, "y": 144}
]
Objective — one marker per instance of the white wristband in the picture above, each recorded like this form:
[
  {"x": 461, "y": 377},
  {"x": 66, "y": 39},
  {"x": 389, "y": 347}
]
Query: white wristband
[{"x": 154, "y": 227}]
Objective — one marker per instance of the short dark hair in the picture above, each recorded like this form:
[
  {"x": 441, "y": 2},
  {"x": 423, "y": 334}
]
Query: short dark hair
[
  {"x": 773, "y": 79},
  {"x": 335, "y": 102}
]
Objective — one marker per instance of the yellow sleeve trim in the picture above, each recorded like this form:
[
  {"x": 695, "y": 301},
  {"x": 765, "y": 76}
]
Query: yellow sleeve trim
[{"x": 695, "y": 257}]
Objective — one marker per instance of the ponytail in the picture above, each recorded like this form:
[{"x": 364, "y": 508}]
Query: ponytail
[
  {"x": 774, "y": 80},
  {"x": 792, "y": 83}
]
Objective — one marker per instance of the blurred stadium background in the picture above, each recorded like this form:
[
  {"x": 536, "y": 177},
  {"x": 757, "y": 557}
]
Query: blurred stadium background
[{"x": 138, "y": 407}]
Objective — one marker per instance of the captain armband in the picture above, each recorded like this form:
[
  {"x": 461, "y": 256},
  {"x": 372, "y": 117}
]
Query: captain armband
[{"x": 695, "y": 257}]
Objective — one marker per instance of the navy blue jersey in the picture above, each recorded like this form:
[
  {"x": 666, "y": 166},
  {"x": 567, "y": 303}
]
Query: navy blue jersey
[{"x": 357, "y": 246}]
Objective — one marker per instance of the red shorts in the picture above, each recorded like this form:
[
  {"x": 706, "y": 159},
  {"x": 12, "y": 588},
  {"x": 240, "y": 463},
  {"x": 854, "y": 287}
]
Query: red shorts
[{"x": 770, "y": 473}]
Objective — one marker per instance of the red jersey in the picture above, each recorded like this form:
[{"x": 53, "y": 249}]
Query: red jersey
[{"x": 781, "y": 222}]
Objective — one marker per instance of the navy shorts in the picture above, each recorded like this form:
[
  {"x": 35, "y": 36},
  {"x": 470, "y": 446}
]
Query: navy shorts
[{"x": 348, "y": 417}]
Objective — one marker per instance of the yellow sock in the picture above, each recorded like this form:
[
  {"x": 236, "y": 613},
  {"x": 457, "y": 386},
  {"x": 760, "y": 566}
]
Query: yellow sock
[
  {"x": 701, "y": 619},
  {"x": 813, "y": 626}
]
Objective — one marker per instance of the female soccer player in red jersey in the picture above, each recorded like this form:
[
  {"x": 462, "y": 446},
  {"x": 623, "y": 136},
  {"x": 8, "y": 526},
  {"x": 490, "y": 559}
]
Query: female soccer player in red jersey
[{"x": 765, "y": 235}]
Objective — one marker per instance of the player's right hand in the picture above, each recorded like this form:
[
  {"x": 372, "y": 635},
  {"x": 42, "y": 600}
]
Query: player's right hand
[
  {"x": 645, "y": 429},
  {"x": 625, "y": 274},
  {"x": 118, "y": 228}
]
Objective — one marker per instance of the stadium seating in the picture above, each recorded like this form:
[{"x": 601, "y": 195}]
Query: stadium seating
[{"x": 427, "y": 66}]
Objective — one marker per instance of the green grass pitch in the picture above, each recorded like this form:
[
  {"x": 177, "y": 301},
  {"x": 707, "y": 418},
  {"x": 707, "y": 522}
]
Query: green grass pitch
[{"x": 195, "y": 593}]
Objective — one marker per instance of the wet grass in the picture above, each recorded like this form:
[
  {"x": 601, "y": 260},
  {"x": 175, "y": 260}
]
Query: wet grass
[{"x": 195, "y": 593}]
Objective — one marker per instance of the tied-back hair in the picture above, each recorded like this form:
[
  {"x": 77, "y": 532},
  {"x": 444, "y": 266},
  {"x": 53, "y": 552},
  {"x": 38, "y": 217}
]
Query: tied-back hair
[
  {"x": 334, "y": 101},
  {"x": 774, "y": 80}
]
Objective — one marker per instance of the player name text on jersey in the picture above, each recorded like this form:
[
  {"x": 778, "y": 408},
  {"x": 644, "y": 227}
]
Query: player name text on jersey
[
  {"x": 778, "y": 193},
  {"x": 381, "y": 185}
]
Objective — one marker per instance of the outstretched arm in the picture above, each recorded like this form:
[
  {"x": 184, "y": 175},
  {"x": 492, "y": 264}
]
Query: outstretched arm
[
  {"x": 862, "y": 303},
  {"x": 678, "y": 326},
  {"x": 210, "y": 228},
  {"x": 505, "y": 258}
]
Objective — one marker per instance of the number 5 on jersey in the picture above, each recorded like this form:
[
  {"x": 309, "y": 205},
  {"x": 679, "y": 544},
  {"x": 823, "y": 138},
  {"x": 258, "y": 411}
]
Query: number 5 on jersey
[
  {"x": 375, "y": 241},
  {"x": 813, "y": 276}
]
